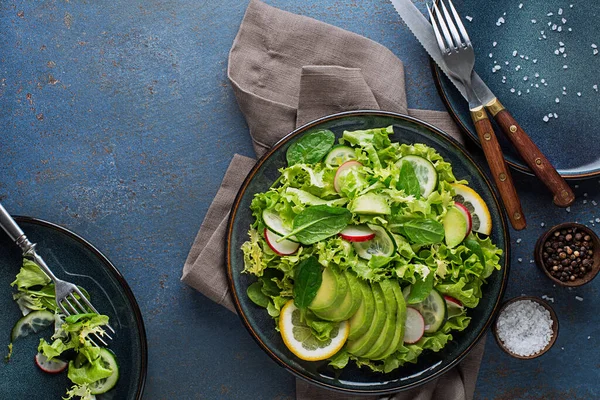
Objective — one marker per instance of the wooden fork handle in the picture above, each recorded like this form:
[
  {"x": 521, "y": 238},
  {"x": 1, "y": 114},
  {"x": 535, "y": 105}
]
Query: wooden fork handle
[
  {"x": 532, "y": 155},
  {"x": 500, "y": 172}
]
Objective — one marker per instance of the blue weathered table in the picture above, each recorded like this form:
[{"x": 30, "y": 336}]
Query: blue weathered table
[{"x": 118, "y": 122}]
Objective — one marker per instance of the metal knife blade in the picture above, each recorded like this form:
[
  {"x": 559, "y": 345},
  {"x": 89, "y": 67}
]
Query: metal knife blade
[{"x": 423, "y": 31}]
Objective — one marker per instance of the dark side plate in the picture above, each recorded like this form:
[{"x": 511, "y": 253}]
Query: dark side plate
[
  {"x": 72, "y": 258},
  {"x": 571, "y": 141},
  {"x": 353, "y": 379}
]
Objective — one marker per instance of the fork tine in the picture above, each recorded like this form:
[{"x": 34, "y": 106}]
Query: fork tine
[
  {"x": 81, "y": 307},
  {"x": 451, "y": 25},
  {"x": 442, "y": 23},
  {"x": 91, "y": 307},
  {"x": 438, "y": 35},
  {"x": 460, "y": 24},
  {"x": 73, "y": 309}
]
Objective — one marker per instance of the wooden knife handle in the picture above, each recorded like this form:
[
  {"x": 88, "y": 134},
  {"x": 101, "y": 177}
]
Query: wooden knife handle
[
  {"x": 538, "y": 163},
  {"x": 500, "y": 172}
]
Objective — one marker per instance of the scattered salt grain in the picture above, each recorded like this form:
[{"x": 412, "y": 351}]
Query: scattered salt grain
[
  {"x": 519, "y": 259},
  {"x": 562, "y": 49},
  {"x": 519, "y": 240},
  {"x": 533, "y": 21},
  {"x": 565, "y": 66},
  {"x": 550, "y": 14},
  {"x": 595, "y": 87},
  {"x": 556, "y": 52},
  {"x": 585, "y": 195},
  {"x": 469, "y": 18},
  {"x": 563, "y": 20},
  {"x": 570, "y": 30},
  {"x": 560, "y": 11},
  {"x": 543, "y": 224},
  {"x": 594, "y": 46},
  {"x": 597, "y": 220},
  {"x": 594, "y": 202},
  {"x": 550, "y": 299},
  {"x": 578, "y": 298},
  {"x": 520, "y": 5},
  {"x": 524, "y": 327},
  {"x": 555, "y": 115},
  {"x": 534, "y": 60},
  {"x": 595, "y": 51},
  {"x": 554, "y": 26},
  {"x": 589, "y": 337},
  {"x": 514, "y": 53},
  {"x": 500, "y": 21},
  {"x": 557, "y": 100},
  {"x": 525, "y": 78},
  {"x": 585, "y": 202},
  {"x": 491, "y": 55},
  {"x": 512, "y": 90},
  {"x": 579, "y": 94},
  {"x": 494, "y": 44},
  {"x": 568, "y": 209},
  {"x": 546, "y": 119}
]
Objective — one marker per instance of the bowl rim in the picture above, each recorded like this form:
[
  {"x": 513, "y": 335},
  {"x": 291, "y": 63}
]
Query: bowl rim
[
  {"x": 124, "y": 286},
  {"x": 541, "y": 302},
  {"x": 538, "y": 250},
  {"x": 434, "y": 130}
]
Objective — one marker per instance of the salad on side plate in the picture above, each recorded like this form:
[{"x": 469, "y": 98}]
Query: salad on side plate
[
  {"x": 367, "y": 250},
  {"x": 92, "y": 370}
]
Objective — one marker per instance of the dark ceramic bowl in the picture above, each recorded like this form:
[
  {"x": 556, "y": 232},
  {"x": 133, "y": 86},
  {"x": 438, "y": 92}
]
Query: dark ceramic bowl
[
  {"x": 539, "y": 251},
  {"x": 554, "y": 327},
  {"x": 353, "y": 379},
  {"x": 72, "y": 258}
]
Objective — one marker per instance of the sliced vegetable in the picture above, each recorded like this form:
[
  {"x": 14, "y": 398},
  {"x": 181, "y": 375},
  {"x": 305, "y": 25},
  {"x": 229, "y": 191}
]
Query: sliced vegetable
[
  {"x": 339, "y": 155},
  {"x": 342, "y": 171},
  {"x": 370, "y": 204},
  {"x": 454, "y": 306},
  {"x": 433, "y": 309},
  {"x": 33, "y": 322},
  {"x": 424, "y": 171},
  {"x": 108, "y": 361},
  {"x": 50, "y": 366},
  {"x": 467, "y": 215},
  {"x": 456, "y": 227},
  {"x": 414, "y": 327},
  {"x": 383, "y": 244},
  {"x": 482, "y": 220},
  {"x": 282, "y": 247},
  {"x": 357, "y": 233},
  {"x": 273, "y": 221}
]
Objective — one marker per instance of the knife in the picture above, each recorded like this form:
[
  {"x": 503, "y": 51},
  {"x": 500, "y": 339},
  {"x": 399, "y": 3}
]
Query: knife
[{"x": 527, "y": 149}]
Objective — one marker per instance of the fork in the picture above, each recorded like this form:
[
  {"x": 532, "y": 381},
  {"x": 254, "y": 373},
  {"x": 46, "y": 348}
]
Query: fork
[
  {"x": 459, "y": 56},
  {"x": 69, "y": 297}
]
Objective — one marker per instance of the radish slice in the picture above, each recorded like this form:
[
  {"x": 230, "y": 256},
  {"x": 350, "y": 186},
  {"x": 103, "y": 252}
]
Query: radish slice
[
  {"x": 342, "y": 171},
  {"x": 452, "y": 302},
  {"x": 414, "y": 326},
  {"x": 283, "y": 248},
  {"x": 467, "y": 215},
  {"x": 357, "y": 233},
  {"x": 51, "y": 367}
]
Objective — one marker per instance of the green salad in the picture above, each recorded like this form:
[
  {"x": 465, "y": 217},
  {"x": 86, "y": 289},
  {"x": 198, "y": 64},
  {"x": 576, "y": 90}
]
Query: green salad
[
  {"x": 92, "y": 370},
  {"x": 367, "y": 250}
]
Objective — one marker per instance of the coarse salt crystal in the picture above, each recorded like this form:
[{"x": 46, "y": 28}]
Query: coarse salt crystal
[
  {"x": 520, "y": 5},
  {"x": 500, "y": 21},
  {"x": 550, "y": 299},
  {"x": 546, "y": 119},
  {"x": 565, "y": 66},
  {"x": 535, "y": 60},
  {"x": 519, "y": 240},
  {"x": 568, "y": 209},
  {"x": 512, "y": 90},
  {"x": 525, "y": 78},
  {"x": 562, "y": 49},
  {"x": 469, "y": 18},
  {"x": 595, "y": 51},
  {"x": 578, "y": 298},
  {"x": 494, "y": 44},
  {"x": 550, "y": 14},
  {"x": 556, "y": 52},
  {"x": 563, "y": 20},
  {"x": 559, "y": 29},
  {"x": 543, "y": 224},
  {"x": 514, "y": 53},
  {"x": 519, "y": 259},
  {"x": 594, "y": 202},
  {"x": 533, "y": 21},
  {"x": 579, "y": 94},
  {"x": 560, "y": 11},
  {"x": 555, "y": 115},
  {"x": 595, "y": 87},
  {"x": 570, "y": 30},
  {"x": 585, "y": 202},
  {"x": 594, "y": 46},
  {"x": 524, "y": 327},
  {"x": 557, "y": 100}
]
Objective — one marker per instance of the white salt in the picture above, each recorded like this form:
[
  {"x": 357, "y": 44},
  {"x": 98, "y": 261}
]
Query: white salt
[
  {"x": 578, "y": 298},
  {"x": 524, "y": 327},
  {"x": 469, "y": 18}
]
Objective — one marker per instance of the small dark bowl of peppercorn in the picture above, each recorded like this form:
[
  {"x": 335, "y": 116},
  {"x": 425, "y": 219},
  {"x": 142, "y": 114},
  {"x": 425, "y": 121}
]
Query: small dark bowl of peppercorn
[{"x": 569, "y": 254}]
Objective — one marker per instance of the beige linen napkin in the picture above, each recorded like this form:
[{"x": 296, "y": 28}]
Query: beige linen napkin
[{"x": 287, "y": 70}]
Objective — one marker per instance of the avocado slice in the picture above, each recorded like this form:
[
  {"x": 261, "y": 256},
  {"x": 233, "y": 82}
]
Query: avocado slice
[
  {"x": 331, "y": 293},
  {"x": 350, "y": 304},
  {"x": 362, "y": 318},
  {"x": 397, "y": 340},
  {"x": 363, "y": 344},
  {"x": 389, "y": 328}
]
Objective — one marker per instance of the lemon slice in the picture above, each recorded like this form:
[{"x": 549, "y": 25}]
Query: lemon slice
[
  {"x": 298, "y": 337},
  {"x": 480, "y": 214}
]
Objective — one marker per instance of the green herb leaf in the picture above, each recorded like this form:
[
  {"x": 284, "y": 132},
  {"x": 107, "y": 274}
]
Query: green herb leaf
[
  {"x": 316, "y": 223},
  {"x": 307, "y": 281},
  {"x": 475, "y": 247},
  {"x": 424, "y": 231},
  {"x": 255, "y": 294},
  {"x": 408, "y": 180},
  {"x": 420, "y": 289},
  {"x": 310, "y": 148},
  {"x": 269, "y": 287}
]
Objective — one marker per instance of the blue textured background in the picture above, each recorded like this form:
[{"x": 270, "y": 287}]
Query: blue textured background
[{"x": 118, "y": 122}]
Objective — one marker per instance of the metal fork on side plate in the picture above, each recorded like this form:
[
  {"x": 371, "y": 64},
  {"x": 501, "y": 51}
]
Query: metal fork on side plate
[
  {"x": 69, "y": 298},
  {"x": 457, "y": 52}
]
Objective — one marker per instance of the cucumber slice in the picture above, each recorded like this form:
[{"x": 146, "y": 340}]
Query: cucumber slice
[
  {"x": 33, "y": 322},
  {"x": 425, "y": 171},
  {"x": 273, "y": 221},
  {"x": 370, "y": 204},
  {"x": 339, "y": 155},
  {"x": 433, "y": 309},
  {"x": 383, "y": 244},
  {"x": 108, "y": 360}
]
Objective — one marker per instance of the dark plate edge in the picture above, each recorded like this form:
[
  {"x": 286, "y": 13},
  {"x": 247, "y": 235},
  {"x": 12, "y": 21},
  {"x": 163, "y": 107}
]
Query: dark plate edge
[
  {"x": 435, "y": 71},
  {"x": 230, "y": 232},
  {"x": 124, "y": 285}
]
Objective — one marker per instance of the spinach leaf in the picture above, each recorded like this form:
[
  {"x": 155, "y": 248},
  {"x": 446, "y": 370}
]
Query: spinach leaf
[
  {"x": 310, "y": 148},
  {"x": 475, "y": 247},
  {"x": 424, "y": 231},
  {"x": 255, "y": 294},
  {"x": 316, "y": 223},
  {"x": 408, "y": 180},
  {"x": 307, "y": 281},
  {"x": 420, "y": 289}
]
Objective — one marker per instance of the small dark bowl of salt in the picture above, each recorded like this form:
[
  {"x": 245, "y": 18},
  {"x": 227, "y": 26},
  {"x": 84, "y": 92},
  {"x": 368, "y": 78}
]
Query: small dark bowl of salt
[
  {"x": 526, "y": 327},
  {"x": 569, "y": 254}
]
